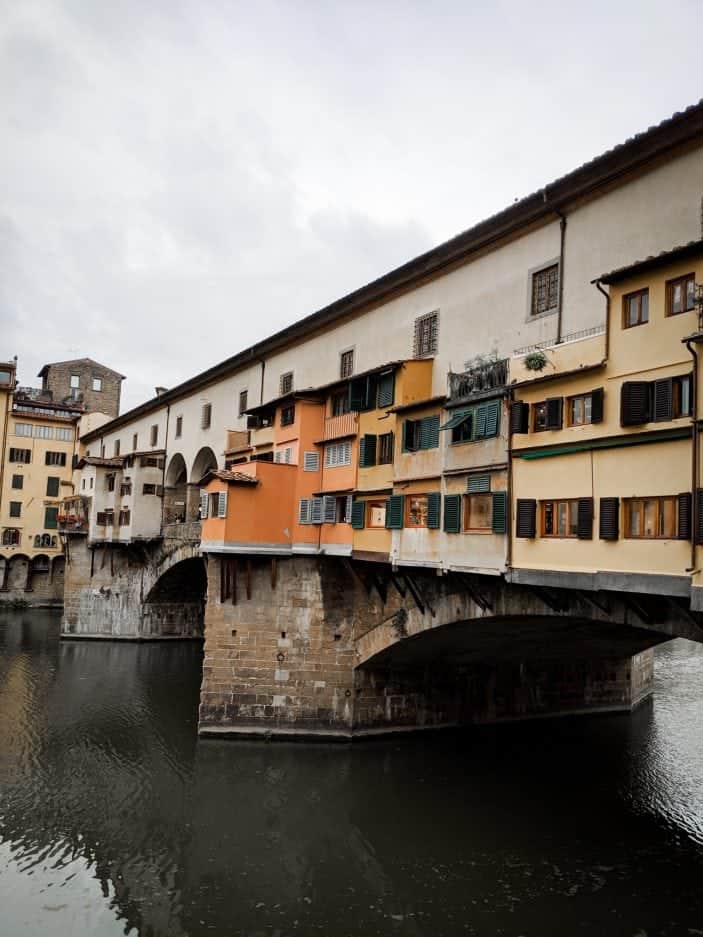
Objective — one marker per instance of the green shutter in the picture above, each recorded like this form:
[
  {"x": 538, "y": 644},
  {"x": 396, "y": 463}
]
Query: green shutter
[
  {"x": 452, "y": 514},
  {"x": 395, "y": 509},
  {"x": 434, "y": 504},
  {"x": 386, "y": 390},
  {"x": 481, "y": 413},
  {"x": 52, "y": 487},
  {"x": 367, "y": 451},
  {"x": 429, "y": 432},
  {"x": 492, "y": 418},
  {"x": 357, "y": 394},
  {"x": 500, "y": 512},
  {"x": 407, "y": 435},
  {"x": 358, "y": 515},
  {"x": 478, "y": 484},
  {"x": 50, "y": 515}
]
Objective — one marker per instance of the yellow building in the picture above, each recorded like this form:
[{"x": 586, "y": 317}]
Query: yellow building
[{"x": 602, "y": 441}]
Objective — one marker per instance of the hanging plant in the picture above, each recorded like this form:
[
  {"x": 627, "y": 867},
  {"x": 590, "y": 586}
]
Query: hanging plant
[{"x": 536, "y": 361}]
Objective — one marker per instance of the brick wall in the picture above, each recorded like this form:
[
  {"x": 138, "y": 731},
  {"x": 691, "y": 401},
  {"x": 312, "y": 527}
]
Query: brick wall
[{"x": 107, "y": 400}]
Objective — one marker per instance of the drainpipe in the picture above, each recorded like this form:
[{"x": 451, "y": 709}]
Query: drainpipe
[
  {"x": 598, "y": 285},
  {"x": 694, "y": 455},
  {"x": 263, "y": 372},
  {"x": 562, "y": 243}
]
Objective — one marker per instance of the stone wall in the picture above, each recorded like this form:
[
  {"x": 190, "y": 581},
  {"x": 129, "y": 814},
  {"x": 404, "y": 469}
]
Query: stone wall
[
  {"x": 107, "y": 400},
  {"x": 46, "y": 586}
]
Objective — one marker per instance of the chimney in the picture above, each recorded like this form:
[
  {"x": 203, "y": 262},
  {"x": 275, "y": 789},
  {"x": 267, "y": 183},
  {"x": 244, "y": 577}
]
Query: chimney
[{"x": 160, "y": 391}]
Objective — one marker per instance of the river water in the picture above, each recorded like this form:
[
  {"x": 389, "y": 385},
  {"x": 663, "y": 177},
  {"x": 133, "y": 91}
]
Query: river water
[{"x": 115, "y": 819}]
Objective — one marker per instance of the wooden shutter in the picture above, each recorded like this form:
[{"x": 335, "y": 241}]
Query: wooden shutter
[
  {"x": 367, "y": 450},
  {"x": 584, "y": 521},
  {"x": 452, "y": 514},
  {"x": 222, "y": 504},
  {"x": 478, "y": 484},
  {"x": 358, "y": 515},
  {"x": 609, "y": 522},
  {"x": 408, "y": 434},
  {"x": 329, "y": 509},
  {"x": 203, "y": 504},
  {"x": 519, "y": 417},
  {"x": 348, "y": 509},
  {"x": 597, "y": 405},
  {"x": 555, "y": 412},
  {"x": 395, "y": 509},
  {"x": 429, "y": 432},
  {"x": 311, "y": 462},
  {"x": 500, "y": 512},
  {"x": 480, "y": 431},
  {"x": 635, "y": 403},
  {"x": 304, "y": 511},
  {"x": 386, "y": 389},
  {"x": 434, "y": 505},
  {"x": 526, "y": 517},
  {"x": 492, "y": 418},
  {"x": 316, "y": 511},
  {"x": 663, "y": 400},
  {"x": 683, "y": 527},
  {"x": 699, "y": 516},
  {"x": 357, "y": 394}
]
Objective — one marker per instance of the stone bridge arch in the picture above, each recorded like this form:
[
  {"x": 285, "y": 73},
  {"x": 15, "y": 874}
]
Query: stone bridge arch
[
  {"x": 204, "y": 461},
  {"x": 176, "y": 490}
]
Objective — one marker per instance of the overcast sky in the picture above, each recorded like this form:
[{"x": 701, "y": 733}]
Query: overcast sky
[{"x": 180, "y": 179}]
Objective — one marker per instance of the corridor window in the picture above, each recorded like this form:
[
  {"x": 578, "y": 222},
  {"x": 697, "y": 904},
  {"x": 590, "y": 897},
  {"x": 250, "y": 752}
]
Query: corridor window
[
  {"x": 340, "y": 403},
  {"x": 478, "y": 512},
  {"x": 287, "y": 416},
  {"x": 560, "y": 518},
  {"x": 286, "y": 384},
  {"x": 376, "y": 514},
  {"x": 539, "y": 416},
  {"x": 15, "y": 508},
  {"x": 579, "y": 409},
  {"x": 179, "y": 427},
  {"x": 545, "y": 290},
  {"x": 243, "y": 401},
  {"x": 416, "y": 511},
  {"x": 635, "y": 309},
  {"x": 346, "y": 363},
  {"x": 679, "y": 295},
  {"x": 385, "y": 449},
  {"x": 650, "y": 518},
  {"x": 23, "y": 429},
  {"x": 426, "y": 332},
  {"x": 206, "y": 416}
]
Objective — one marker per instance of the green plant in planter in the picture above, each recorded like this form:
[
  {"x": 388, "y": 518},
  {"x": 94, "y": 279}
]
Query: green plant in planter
[{"x": 536, "y": 361}]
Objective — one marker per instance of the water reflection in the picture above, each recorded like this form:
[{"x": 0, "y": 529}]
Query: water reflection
[{"x": 115, "y": 819}]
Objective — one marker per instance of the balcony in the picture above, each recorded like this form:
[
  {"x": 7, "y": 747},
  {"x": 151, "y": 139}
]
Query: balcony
[
  {"x": 337, "y": 427},
  {"x": 237, "y": 440},
  {"x": 478, "y": 382},
  {"x": 188, "y": 531}
]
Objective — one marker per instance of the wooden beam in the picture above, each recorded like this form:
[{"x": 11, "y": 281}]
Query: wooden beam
[
  {"x": 381, "y": 588},
  {"x": 355, "y": 575},
  {"x": 402, "y": 591},
  {"x": 235, "y": 567},
  {"x": 476, "y": 596},
  {"x": 274, "y": 571},
  {"x": 415, "y": 593},
  {"x": 248, "y": 579}
]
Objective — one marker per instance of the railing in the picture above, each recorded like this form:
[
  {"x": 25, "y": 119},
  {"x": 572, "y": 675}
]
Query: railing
[
  {"x": 343, "y": 425},
  {"x": 190, "y": 530},
  {"x": 552, "y": 342},
  {"x": 490, "y": 376}
]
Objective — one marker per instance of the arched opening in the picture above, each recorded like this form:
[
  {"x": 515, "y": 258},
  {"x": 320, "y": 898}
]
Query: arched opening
[
  {"x": 175, "y": 605},
  {"x": 204, "y": 461},
  {"x": 176, "y": 490}
]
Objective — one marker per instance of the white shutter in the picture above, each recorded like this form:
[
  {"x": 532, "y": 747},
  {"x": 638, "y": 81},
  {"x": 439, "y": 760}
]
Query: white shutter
[
  {"x": 329, "y": 509},
  {"x": 316, "y": 511},
  {"x": 347, "y": 510},
  {"x": 305, "y": 511},
  {"x": 345, "y": 453},
  {"x": 203, "y": 504},
  {"x": 278, "y": 457},
  {"x": 311, "y": 462},
  {"x": 222, "y": 504},
  {"x": 330, "y": 455},
  {"x": 288, "y": 455}
]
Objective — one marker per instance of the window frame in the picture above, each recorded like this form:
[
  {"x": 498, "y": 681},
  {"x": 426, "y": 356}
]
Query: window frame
[
  {"x": 407, "y": 510},
  {"x": 426, "y": 335},
  {"x": 154, "y": 435},
  {"x": 285, "y": 383},
  {"x": 346, "y": 363},
  {"x": 289, "y": 410},
  {"x": 571, "y": 504},
  {"x": 179, "y": 427},
  {"x": 339, "y": 403},
  {"x": 243, "y": 402},
  {"x": 670, "y": 287},
  {"x": 639, "y": 295},
  {"x": 77, "y": 379},
  {"x": 96, "y": 380},
  {"x": 385, "y": 449},
  {"x": 15, "y": 509},
  {"x": 376, "y": 504},
  {"x": 533, "y": 310},
  {"x": 570, "y": 401},
  {"x": 659, "y": 499},
  {"x": 206, "y": 416},
  {"x": 534, "y": 411},
  {"x": 466, "y": 526}
]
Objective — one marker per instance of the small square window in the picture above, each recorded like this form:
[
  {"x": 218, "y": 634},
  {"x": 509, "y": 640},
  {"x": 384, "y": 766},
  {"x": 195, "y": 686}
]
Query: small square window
[
  {"x": 15, "y": 508},
  {"x": 545, "y": 290},
  {"x": 97, "y": 383},
  {"x": 18, "y": 481},
  {"x": 426, "y": 335}
]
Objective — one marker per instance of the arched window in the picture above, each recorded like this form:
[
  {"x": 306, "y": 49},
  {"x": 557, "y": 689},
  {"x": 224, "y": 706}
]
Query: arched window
[
  {"x": 46, "y": 540},
  {"x": 10, "y": 537},
  {"x": 53, "y": 541},
  {"x": 37, "y": 541}
]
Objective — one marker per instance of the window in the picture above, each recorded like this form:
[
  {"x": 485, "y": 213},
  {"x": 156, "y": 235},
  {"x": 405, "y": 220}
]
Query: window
[
  {"x": 15, "y": 508},
  {"x": 135, "y": 440},
  {"x": 579, "y": 410},
  {"x": 346, "y": 363},
  {"x": 64, "y": 434},
  {"x": 340, "y": 403},
  {"x": 286, "y": 383},
  {"x": 23, "y": 429},
  {"x": 154, "y": 435},
  {"x": 151, "y": 461},
  {"x": 179, "y": 427},
  {"x": 97, "y": 384},
  {"x": 152, "y": 490},
  {"x": 110, "y": 481},
  {"x": 287, "y": 415},
  {"x": 464, "y": 431},
  {"x": 216, "y": 504},
  {"x": 679, "y": 295},
  {"x": 338, "y": 454},
  {"x": 82, "y": 484},
  {"x": 478, "y": 512},
  {"x": 18, "y": 481},
  {"x": 545, "y": 290},
  {"x": 126, "y": 488},
  {"x": 376, "y": 513},
  {"x": 43, "y": 432},
  {"x": 206, "y": 416},
  {"x": 50, "y": 518},
  {"x": 539, "y": 416},
  {"x": 21, "y": 455},
  {"x": 635, "y": 309},
  {"x": 681, "y": 402},
  {"x": 416, "y": 511},
  {"x": 650, "y": 518},
  {"x": 124, "y": 517},
  {"x": 52, "y": 486},
  {"x": 560, "y": 518},
  {"x": 426, "y": 333},
  {"x": 92, "y": 481},
  {"x": 10, "y": 537},
  {"x": 385, "y": 449},
  {"x": 421, "y": 434},
  {"x": 55, "y": 458},
  {"x": 311, "y": 461},
  {"x": 243, "y": 401},
  {"x": 116, "y": 448},
  {"x": 75, "y": 381}
]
